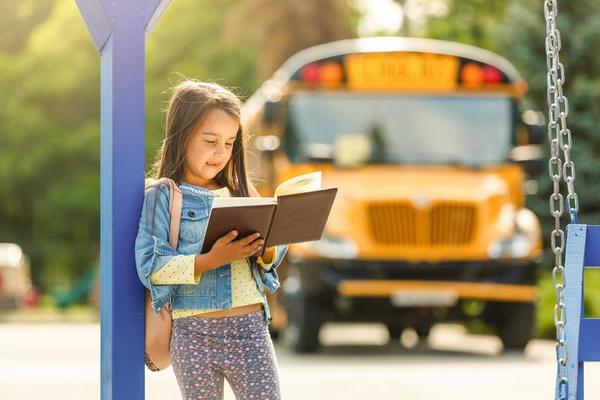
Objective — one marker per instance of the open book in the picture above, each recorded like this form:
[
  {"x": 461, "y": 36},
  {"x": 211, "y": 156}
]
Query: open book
[{"x": 297, "y": 213}]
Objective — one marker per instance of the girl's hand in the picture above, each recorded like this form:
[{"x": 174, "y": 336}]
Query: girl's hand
[{"x": 226, "y": 249}]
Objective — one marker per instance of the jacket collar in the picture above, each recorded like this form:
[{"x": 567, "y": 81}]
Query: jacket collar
[{"x": 184, "y": 186}]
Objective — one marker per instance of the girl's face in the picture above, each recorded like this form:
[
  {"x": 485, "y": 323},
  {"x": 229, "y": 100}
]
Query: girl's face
[{"x": 208, "y": 149}]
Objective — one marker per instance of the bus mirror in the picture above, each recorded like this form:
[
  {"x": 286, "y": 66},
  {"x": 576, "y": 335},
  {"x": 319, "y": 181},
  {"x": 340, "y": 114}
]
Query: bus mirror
[
  {"x": 317, "y": 152},
  {"x": 530, "y": 157},
  {"x": 267, "y": 143},
  {"x": 533, "y": 124},
  {"x": 352, "y": 150},
  {"x": 270, "y": 111}
]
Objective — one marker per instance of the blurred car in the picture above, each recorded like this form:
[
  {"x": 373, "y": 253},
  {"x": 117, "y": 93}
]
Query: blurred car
[{"x": 15, "y": 276}]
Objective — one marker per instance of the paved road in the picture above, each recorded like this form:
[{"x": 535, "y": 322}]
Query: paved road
[{"x": 62, "y": 362}]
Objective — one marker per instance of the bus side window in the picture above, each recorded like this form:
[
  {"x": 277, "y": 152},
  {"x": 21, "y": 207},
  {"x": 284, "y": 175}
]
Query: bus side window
[
  {"x": 291, "y": 144},
  {"x": 271, "y": 112}
]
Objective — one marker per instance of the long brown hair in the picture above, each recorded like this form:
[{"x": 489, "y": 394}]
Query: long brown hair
[{"x": 190, "y": 103}]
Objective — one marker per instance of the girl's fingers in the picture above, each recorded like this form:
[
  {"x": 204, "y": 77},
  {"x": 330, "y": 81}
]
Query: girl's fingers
[
  {"x": 253, "y": 249},
  {"x": 227, "y": 238},
  {"x": 256, "y": 242},
  {"x": 247, "y": 240},
  {"x": 247, "y": 246},
  {"x": 252, "y": 253}
]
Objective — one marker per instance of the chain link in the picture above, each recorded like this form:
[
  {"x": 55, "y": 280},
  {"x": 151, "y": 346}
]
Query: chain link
[{"x": 559, "y": 137}]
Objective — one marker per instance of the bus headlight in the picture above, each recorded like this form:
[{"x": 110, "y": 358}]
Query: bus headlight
[
  {"x": 335, "y": 247},
  {"x": 517, "y": 246},
  {"x": 521, "y": 243}
]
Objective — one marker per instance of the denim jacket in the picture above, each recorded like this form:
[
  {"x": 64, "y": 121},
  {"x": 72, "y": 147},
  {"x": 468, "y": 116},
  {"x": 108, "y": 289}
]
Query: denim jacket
[{"x": 153, "y": 251}]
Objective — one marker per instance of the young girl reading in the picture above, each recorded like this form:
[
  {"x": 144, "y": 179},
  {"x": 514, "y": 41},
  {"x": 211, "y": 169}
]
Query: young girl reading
[{"x": 219, "y": 307}]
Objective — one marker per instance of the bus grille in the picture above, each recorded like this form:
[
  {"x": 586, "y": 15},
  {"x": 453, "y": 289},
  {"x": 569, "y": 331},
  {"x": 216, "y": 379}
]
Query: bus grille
[
  {"x": 402, "y": 224},
  {"x": 393, "y": 223}
]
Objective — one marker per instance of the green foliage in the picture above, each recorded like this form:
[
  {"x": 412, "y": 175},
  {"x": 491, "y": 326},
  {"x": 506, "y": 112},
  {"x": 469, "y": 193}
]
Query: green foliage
[
  {"x": 49, "y": 130},
  {"x": 287, "y": 27},
  {"x": 50, "y": 161},
  {"x": 49, "y": 119},
  {"x": 523, "y": 43},
  {"x": 471, "y": 22},
  {"x": 181, "y": 46},
  {"x": 516, "y": 29},
  {"x": 18, "y": 18}
]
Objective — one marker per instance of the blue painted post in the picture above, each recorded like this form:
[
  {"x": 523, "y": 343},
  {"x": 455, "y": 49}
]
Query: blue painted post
[
  {"x": 583, "y": 251},
  {"x": 119, "y": 29},
  {"x": 574, "y": 268}
]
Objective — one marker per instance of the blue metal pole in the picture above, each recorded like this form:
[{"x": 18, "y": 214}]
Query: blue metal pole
[
  {"x": 574, "y": 267},
  {"x": 121, "y": 177},
  {"x": 119, "y": 29}
]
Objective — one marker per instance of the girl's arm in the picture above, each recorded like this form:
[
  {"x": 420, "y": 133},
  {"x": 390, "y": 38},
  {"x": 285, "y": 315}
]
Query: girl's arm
[
  {"x": 187, "y": 270},
  {"x": 160, "y": 264},
  {"x": 152, "y": 249}
]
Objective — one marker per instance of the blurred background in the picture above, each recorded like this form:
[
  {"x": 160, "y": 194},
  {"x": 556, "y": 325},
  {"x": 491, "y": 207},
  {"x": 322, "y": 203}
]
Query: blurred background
[{"x": 50, "y": 164}]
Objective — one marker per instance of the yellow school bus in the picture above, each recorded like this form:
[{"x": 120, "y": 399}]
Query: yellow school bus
[{"x": 433, "y": 157}]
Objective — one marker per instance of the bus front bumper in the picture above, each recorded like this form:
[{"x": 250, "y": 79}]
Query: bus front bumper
[{"x": 503, "y": 281}]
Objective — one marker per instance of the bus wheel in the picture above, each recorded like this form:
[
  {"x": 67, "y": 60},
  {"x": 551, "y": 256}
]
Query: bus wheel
[
  {"x": 395, "y": 330},
  {"x": 275, "y": 334},
  {"x": 304, "y": 323},
  {"x": 423, "y": 330},
  {"x": 515, "y": 324}
]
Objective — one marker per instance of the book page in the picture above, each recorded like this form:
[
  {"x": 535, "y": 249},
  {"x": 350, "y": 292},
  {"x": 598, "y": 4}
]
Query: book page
[
  {"x": 221, "y": 202},
  {"x": 300, "y": 184}
]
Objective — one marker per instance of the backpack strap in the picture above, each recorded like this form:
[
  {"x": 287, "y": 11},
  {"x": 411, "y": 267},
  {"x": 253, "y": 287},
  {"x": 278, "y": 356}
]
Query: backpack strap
[{"x": 175, "y": 205}]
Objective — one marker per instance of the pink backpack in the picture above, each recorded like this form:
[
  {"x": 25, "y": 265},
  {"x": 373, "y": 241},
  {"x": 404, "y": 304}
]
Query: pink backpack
[{"x": 159, "y": 325}]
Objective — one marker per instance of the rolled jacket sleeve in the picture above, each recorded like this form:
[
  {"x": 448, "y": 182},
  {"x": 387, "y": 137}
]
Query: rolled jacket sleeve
[
  {"x": 268, "y": 263},
  {"x": 278, "y": 256},
  {"x": 177, "y": 271},
  {"x": 270, "y": 277}
]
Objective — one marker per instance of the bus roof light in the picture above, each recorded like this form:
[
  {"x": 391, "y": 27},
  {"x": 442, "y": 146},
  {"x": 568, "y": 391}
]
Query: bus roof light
[
  {"x": 310, "y": 73},
  {"x": 472, "y": 75},
  {"x": 331, "y": 74},
  {"x": 492, "y": 75}
]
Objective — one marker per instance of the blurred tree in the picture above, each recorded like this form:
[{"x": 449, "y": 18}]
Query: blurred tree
[
  {"x": 516, "y": 29},
  {"x": 18, "y": 18},
  {"x": 49, "y": 119},
  {"x": 49, "y": 158},
  {"x": 416, "y": 13},
  {"x": 468, "y": 21},
  {"x": 521, "y": 39},
  {"x": 280, "y": 28},
  {"x": 181, "y": 46}
]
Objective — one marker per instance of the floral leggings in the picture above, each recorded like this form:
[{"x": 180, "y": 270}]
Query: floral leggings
[{"x": 204, "y": 351}]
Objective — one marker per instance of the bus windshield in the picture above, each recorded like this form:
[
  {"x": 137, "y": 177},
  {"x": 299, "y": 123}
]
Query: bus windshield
[{"x": 423, "y": 129}]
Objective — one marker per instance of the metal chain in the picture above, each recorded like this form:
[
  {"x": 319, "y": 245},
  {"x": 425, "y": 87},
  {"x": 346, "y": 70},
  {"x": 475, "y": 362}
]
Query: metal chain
[{"x": 560, "y": 138}]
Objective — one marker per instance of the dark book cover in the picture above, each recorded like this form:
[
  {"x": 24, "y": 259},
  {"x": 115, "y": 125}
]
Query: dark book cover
[
  {"x": 300, "y": 217},
  {"x": 245, "y": 219},
  {"x": 296, "y": 218}
]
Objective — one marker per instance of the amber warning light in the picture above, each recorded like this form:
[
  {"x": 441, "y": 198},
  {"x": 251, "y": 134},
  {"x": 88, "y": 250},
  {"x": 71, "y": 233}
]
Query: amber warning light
[{"x": 401, "y": 71}]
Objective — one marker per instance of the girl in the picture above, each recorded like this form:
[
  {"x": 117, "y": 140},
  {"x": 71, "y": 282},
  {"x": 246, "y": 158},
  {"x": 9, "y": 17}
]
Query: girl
[{"x": 218, "y": 303}]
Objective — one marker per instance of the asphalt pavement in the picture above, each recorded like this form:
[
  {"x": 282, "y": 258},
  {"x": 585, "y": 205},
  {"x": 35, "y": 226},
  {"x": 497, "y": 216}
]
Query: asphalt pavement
[{"x": 61, "y": 361}]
